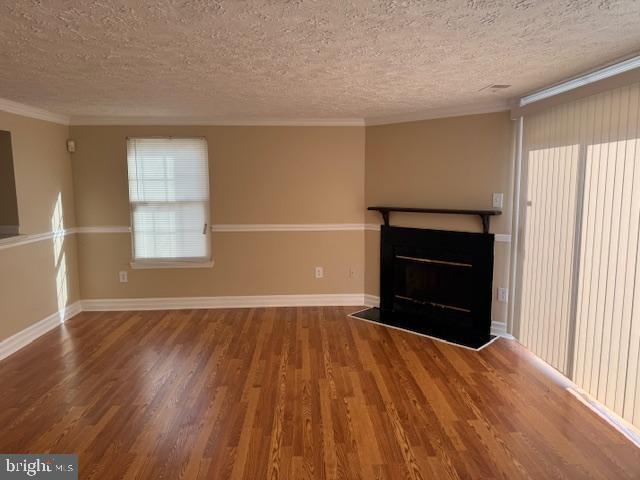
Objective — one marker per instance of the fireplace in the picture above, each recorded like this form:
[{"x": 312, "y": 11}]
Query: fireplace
[
  {"x": 437, "y": 282},
  {"x": 425, "y": 281}
]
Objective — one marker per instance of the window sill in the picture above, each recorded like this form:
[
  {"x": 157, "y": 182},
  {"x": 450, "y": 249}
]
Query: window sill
[{"x": 160, "y": 264}]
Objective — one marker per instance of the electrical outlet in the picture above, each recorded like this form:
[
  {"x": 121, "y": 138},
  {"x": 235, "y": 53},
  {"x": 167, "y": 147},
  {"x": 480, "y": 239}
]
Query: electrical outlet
[
  {"x": 498, "y": 200},
  {"x": 352, "y": 273},
  {"x": 503, "y": 295},
  {"x": 319, "y": 272},
  {"x": 123, "y": 276}
]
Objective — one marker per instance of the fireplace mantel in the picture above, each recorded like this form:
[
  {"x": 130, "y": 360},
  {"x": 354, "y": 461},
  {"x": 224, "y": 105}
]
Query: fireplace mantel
[{"x": 485, "y": 215}]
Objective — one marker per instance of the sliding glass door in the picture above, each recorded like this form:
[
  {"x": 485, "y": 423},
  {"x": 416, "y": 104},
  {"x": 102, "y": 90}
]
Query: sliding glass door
[{"x": 579, "y": 278}]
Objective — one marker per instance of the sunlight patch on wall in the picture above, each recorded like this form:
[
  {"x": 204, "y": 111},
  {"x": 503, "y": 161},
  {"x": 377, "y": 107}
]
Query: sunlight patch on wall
[{"x": 59, "y": 258}]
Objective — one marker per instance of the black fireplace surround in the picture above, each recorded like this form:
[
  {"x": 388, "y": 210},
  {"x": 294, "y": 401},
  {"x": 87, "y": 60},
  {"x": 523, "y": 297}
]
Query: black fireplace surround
[{"x": 437, "y": 282}]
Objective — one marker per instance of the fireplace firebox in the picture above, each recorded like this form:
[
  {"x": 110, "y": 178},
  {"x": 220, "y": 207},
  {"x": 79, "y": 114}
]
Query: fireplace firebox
[{"x": 437, "y": 282}]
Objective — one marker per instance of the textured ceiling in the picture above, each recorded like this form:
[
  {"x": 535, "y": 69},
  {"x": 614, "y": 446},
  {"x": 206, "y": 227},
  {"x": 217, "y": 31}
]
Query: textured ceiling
[{"x": 298, "y": 58}]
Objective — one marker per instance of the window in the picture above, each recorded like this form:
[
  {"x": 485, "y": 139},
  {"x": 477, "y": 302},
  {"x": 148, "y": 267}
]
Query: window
[{"x": 169, "y": 196}]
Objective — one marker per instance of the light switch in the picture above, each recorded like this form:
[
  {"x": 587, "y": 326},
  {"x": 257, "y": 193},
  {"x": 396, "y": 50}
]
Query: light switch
[{"x": 498, "y": 200}]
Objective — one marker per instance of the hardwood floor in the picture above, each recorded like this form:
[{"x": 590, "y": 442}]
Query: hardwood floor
[{"x": 294, "y": 393}]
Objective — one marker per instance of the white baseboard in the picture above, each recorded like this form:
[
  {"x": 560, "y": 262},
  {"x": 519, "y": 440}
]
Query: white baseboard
[
  {"x": 120, "y": 304},
  {"x": 371, "y": 300},
  {"x": 21, "y": 339},
  {"x": 499, "y": 329}
]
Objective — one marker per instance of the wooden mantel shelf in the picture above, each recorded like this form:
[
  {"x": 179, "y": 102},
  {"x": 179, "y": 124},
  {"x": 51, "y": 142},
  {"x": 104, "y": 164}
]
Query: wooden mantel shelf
[{"x": 485, "y": 215}]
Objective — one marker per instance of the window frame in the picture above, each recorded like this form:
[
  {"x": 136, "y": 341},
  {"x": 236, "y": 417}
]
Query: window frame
[{"x": 171, "y": 262}]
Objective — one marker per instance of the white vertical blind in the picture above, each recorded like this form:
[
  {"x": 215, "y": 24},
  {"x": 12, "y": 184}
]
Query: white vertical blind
[
  {"x": 552, "y": 175},
  {"x": 582, "y": 222},
  {"x": 169, "y": 196}
]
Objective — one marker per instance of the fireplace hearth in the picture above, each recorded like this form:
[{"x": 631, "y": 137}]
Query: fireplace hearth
[{"x": 436, "y": 282}]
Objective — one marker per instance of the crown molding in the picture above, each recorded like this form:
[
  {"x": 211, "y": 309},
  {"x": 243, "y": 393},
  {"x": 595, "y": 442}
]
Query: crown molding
[
  {"x": 458, "y": 111},
  {"x": 204, "y": 121},
  {"x": 32, "y": 112},
  {"x": 40, "y": 114},
  {"x": 444, "y": 112}
]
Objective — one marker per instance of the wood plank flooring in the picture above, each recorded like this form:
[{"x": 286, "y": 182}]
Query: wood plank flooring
[{"x": 294, "y": 393}]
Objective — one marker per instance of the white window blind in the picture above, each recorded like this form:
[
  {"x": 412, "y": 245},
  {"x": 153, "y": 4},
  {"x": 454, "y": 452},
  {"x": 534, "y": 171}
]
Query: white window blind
[
  {"x": 169, "y": 196},
  {"x": 580, "y": 279}
]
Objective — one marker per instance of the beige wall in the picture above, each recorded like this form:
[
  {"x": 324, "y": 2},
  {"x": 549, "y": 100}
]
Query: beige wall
[
  {"x": 455, "y": 162},
  {"x": 259, "y": 175},
  {"x": 246, "y": 263},
  {"x": 38, "y": 278},
  {"x": 42, "y": 170}
]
